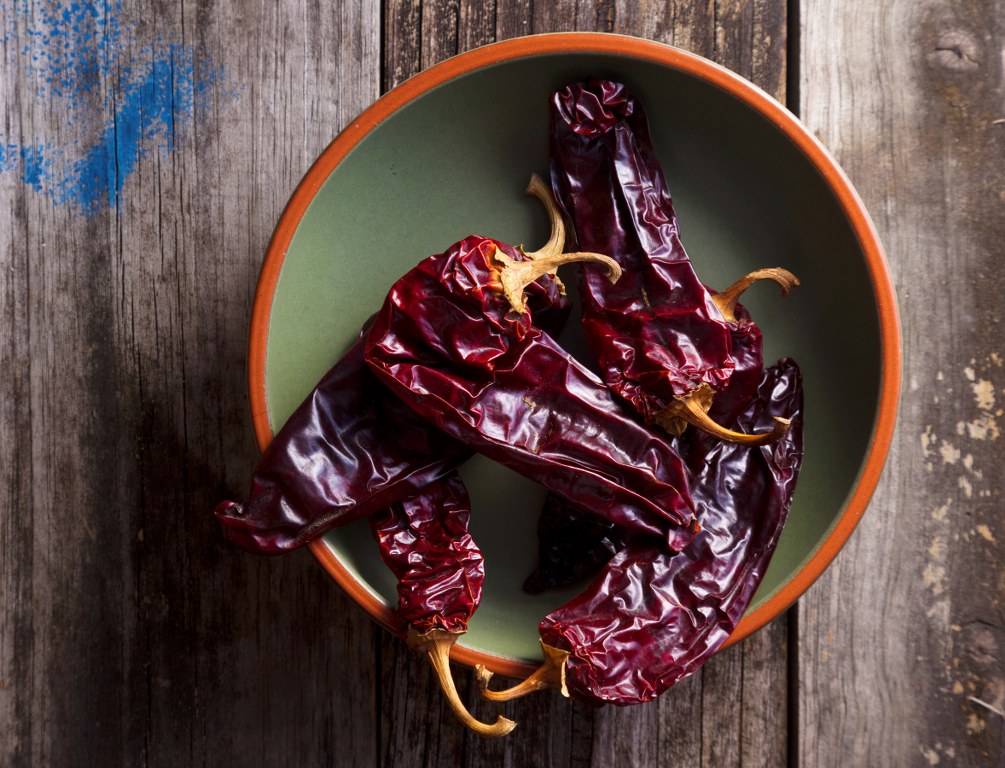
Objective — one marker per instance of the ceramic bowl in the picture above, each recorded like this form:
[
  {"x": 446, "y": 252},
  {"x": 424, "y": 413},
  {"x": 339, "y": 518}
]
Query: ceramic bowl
[{"x": 449, "y": 152}]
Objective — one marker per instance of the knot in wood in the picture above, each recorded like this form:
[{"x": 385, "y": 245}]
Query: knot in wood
[{"x": 956, "y": 50}]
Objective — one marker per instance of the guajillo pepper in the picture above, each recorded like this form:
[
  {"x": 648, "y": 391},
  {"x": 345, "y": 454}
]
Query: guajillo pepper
[
  {"x": 572, "y": 544},
  {"x": 651, "y": 618},
  {"x": 425, "y": 541},
  {"x": 455, "y": 342},
  {"x": 659, "y": 338},
  {"x": 350, "y": 449},
  {"x": 332, "y": 462}
]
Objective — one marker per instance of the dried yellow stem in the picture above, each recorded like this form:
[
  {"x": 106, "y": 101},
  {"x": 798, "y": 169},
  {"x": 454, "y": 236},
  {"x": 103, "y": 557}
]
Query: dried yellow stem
[
  {"x": 515, "y": 275},
  {"x": 726, "y": 300},
  {"x": 436, "y": 644},
  {"x": 551, "y": 674},
  {"x": 692, "y": 409},
  {"x": 556, "y": 241}
]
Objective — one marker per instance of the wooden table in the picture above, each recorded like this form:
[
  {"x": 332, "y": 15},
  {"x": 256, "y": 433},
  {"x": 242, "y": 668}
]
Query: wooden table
[{"x": 146, "y": 151}]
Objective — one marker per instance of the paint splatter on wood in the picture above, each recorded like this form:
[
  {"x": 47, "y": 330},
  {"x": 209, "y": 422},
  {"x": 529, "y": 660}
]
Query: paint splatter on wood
[{"x": 71, "y": 52}]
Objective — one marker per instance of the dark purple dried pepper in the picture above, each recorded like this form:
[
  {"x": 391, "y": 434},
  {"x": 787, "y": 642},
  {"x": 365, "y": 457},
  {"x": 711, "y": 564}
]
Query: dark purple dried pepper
[
  {"x": 455, "y": 343},
  {"x": 351, "y": 448},
  {"x": 332, "y": 462},
  {"x": 651, "y": 618},
  {"x": 425, "y": 541},
  {"x": 658, "y": 336}
]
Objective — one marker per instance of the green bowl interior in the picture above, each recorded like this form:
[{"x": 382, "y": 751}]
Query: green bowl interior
[{"x": 455, "y": 162}]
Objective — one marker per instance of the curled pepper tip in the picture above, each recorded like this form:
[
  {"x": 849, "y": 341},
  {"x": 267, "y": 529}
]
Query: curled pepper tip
[
  {"x": 692, "y": 409},
  {"x": 228, "y": 509},
  {"x": 436, "y": 644},
  {"x": 551, "y": 674},
  {"x": 726, "y": 300}
]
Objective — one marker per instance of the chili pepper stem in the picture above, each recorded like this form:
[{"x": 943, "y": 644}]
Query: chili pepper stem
[
  {"x": 556, "y": 240},
  {"x": 726, "y": 300},
  {"x": 515, "y": 275},
  {"x": 692, "y": 409},
  {"x": 551, "y": 674},
  {"x": 436, "y": 644}
]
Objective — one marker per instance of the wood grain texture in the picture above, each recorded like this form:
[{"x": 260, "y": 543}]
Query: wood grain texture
[
  {"x": 132, "y": 635},
  {"x": 901, "y": 642}
]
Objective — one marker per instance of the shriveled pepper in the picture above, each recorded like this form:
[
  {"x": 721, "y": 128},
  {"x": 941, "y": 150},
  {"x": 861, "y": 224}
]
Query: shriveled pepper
[
  {"x": 652, "y": 618},
  {"x": 332, "y": 462},
  {"x": 426, "y": 542},
  {"x": 455, "y": 341},
  {"x": 351, "y": 448},
  {"x": 658, "y": 336},
  {"x": 572, "y": 544}
]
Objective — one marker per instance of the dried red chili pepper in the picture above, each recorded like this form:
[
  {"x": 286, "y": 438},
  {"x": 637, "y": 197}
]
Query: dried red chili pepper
[
  {"x": 454, "y": 341},
  {"x": 651, "y": 618},
  {"x": 425, "y": 541},
  {"x": 574, "y": 545},
  {"x": 332, "y": 463},
  {"x": 658, "y": 336},
  {"x": 351, "y": 449}
]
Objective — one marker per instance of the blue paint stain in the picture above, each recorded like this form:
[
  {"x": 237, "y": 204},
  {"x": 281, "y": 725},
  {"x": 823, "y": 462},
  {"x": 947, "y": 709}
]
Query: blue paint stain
[
  {"x": 74, "y": 55},
  {"x": 36, "y": 164}
]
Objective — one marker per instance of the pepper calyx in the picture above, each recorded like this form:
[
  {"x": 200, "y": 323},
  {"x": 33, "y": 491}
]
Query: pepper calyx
[
  {"x": 692, "y": 409},
  {"x": 726, "y": 300},
  {"x": 515, "y": 275},
  {"x": 551, "y": 674},
  {"x": 436, "y": 644}
]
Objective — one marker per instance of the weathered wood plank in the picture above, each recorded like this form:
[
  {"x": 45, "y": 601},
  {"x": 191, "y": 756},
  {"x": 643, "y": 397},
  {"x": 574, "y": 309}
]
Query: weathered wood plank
[
  {"x": 17, "y": 542},
  {"x": 901, "y": 641},
  {"x": 133, "y": 635}
]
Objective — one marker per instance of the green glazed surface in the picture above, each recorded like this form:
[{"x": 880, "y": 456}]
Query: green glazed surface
[{"x": 455, "y": 162}]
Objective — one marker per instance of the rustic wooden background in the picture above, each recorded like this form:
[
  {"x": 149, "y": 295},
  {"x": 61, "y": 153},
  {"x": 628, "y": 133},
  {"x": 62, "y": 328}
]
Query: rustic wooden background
[{"x": 142, "y": 168}]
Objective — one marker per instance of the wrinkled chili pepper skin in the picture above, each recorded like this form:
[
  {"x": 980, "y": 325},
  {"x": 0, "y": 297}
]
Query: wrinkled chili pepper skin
[
  {"x": 348, "y": 450},
  {"x": 425, "y": 541},
  {"x": 332, "y": 462},
  {"x": 447, "y": 343},
  {"x": 650, "y": 619},
  {"x": 747, "y": 350},
  {"x": 655, "y": 333},
  {"x": 573, "y": 545}
]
